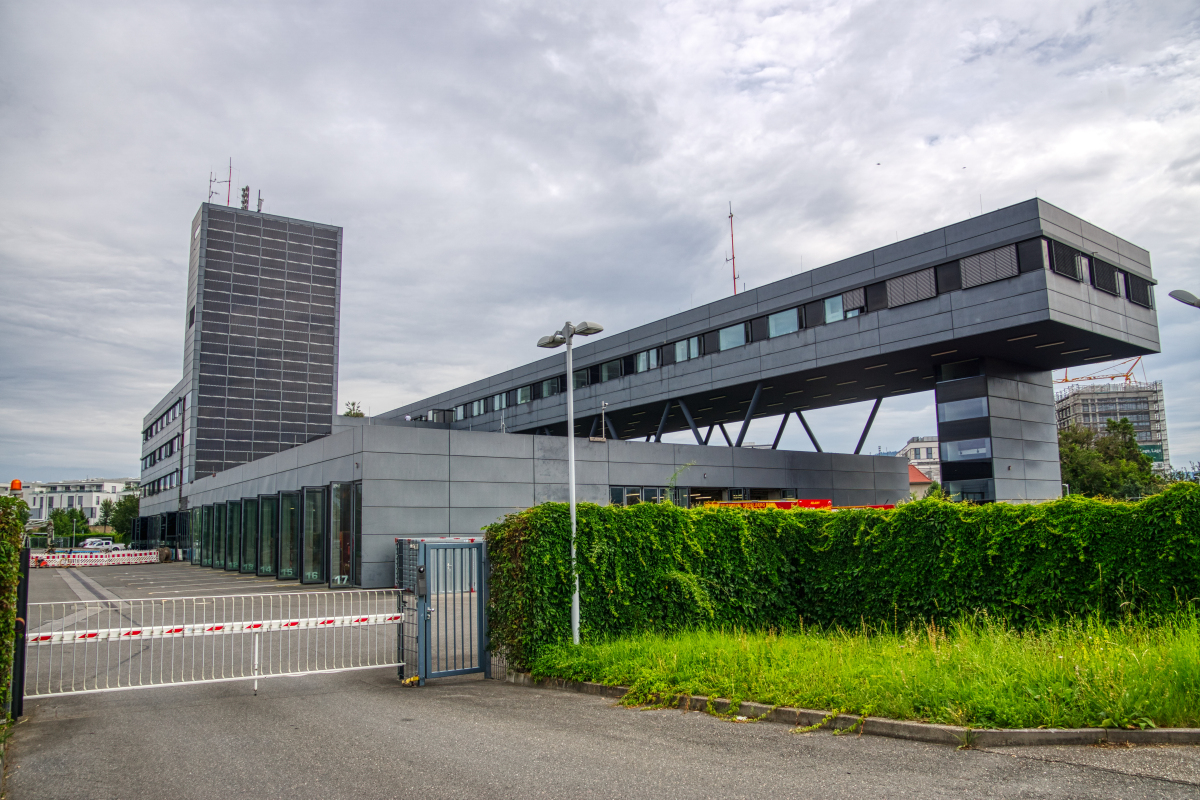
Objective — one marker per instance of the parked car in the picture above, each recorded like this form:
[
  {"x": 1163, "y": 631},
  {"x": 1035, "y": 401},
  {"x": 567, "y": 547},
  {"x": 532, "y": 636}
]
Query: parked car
[{"x": 96, "y": 542}]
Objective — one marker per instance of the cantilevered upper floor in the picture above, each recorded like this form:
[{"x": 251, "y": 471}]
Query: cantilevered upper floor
[{"x": 1030, "y": 284}]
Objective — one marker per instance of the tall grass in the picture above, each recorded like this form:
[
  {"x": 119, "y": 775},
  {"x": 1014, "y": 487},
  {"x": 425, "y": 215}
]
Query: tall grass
[{"x": 979, "y": 671}]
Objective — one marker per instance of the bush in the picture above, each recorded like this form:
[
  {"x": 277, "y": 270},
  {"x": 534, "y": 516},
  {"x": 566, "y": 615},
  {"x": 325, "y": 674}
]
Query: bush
[
  {"x": 658, "y": 568},
  {"x": 11, "y": 535}
]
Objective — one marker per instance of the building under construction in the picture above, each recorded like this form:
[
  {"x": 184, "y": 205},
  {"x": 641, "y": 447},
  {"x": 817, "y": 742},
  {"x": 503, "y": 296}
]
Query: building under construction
[{"x": 1091, "y": 406}]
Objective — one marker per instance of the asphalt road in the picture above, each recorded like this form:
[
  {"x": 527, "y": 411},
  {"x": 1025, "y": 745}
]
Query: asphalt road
[{"x": 362, "y": 735}]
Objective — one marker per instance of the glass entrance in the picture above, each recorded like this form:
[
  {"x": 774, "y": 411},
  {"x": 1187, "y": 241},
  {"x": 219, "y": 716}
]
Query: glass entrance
[
  {"x": 233, "y": 536},
  {"x": 313, "y": 538},
  {"x": 196, "y": 530},
  {"x": 341, "y": 532},
  {"x": 206, "y": 536},
  {"x": 268, "y": 533},
  {"x": 356, "y": 499},
  {"x": 249, "y": 536},
  {"x": 218, "y": 555},
  {"x": 289, "y": 534}
]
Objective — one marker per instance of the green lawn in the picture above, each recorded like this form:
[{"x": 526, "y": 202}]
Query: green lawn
[{"x": 980, "y": 673}]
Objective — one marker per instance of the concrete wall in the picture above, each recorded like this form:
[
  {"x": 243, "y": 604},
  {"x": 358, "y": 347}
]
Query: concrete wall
[{"x": 430, "y": 481}]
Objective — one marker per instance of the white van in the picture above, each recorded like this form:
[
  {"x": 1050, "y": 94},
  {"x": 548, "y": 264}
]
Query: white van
[{"x": 96, "y": 542}]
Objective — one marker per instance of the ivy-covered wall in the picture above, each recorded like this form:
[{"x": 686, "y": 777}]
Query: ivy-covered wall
[
  {"x": 662, "y": 568},
  {"x": 11, "y": 530}
]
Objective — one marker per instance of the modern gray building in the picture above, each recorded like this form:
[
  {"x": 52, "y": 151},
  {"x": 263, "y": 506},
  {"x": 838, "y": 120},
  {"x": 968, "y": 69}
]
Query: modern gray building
[
  {"x": 260, "y": 347},
  {"x": 1142, "y": 403},
  {"x": 978, "y": 312}
]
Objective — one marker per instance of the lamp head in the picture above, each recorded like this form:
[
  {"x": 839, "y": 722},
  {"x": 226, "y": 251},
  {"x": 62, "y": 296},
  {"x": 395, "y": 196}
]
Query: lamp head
[
  {"x": 1185, "y": 297},
  {"x": 556, "y": 340},
  {"x": 588, "y": 328}
]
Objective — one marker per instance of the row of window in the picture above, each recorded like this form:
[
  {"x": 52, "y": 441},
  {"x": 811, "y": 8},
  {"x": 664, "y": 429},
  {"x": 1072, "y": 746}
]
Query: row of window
[
  {"x": 983, "y": 268},
  {"x": 168, "y": 481},
  {"x": 164, "y": 419},
  {"x": 172, "y": 446},
  {"x": 314, "y": 535}
]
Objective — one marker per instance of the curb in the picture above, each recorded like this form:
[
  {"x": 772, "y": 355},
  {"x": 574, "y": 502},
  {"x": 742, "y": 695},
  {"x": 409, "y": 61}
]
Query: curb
[{"x": 891, "y": 728}]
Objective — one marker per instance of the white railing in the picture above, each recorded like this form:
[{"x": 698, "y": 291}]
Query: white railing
[
  {"x": 109, "y": 645},
  {"x": 94, "y": 559}
]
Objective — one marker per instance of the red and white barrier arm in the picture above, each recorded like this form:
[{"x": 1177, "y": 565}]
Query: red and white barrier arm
[{"x": 212, "y": 629}]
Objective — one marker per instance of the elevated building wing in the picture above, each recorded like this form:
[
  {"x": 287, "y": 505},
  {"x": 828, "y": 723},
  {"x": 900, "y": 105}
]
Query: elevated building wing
[{"x": 980, "y": 311}]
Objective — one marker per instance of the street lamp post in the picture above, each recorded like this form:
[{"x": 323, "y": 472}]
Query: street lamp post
[{"x": 558, "y": 339}]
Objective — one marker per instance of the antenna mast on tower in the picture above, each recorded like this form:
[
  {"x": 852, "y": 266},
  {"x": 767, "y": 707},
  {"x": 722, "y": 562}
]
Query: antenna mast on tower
[
  {"x": 732, "y": 253},
  {"x": 212, "y": 181}
]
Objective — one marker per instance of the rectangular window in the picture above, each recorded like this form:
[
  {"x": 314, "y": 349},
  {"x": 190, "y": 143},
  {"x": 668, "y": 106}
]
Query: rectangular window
[
  {"x": 233, "y": 536},
  {"x": 249, "y": 536},
  {"x": 206, "y": 536},
  {"x": 341, "y": 543},
  {"x": 218, "y": 533},
  {"x": 647, "y": 360},
  {"x": 312, "y": 537},
  {"x": 687, "y": 349},
  {"x": 971, "y": 408},
  {"x": 191, "y": 316},
  {"x": 633, "y": 495},
  {"x": 289, "y": 534},
  {"x": 616, "y": 495},
  {"x": 460, "y": 413},
  {"x": 477, "y": 408},
  {"x": 524, "y": 394},
  {"x": 783, "y": 322},
  {"x": 610, "y": 370},
  {"x": 833, "y": 309},
  {"x": 268, "y": 534},
  {"x": 581, "y": 378},
  {"x": 500, "y": 401},
  {"x": 550, "y": 387},
  {"x": 733, "y": 336}
]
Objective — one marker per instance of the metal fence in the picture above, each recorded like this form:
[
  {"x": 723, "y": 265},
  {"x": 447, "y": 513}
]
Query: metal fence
[{"x": 109, "y": 645}]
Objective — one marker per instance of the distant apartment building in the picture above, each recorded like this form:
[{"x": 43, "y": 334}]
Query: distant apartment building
[
  {"x": 1091, "y": 406},
  {"x": 922, "y": 453},
  {"x": 86, "y": 495}
]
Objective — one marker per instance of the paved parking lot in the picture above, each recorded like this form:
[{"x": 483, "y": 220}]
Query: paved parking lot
[{"x": 362, "y": 735}]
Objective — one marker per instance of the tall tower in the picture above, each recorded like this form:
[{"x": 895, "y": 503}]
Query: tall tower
[{"x": 260, "y": 358}]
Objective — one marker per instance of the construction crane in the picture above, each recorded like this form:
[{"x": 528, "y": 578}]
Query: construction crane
[{"x": 1127, "y": 374}]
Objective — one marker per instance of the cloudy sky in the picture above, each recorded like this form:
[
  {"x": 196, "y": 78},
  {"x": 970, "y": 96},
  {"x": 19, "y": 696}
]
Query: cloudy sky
[{"x": 501, "y": 167}]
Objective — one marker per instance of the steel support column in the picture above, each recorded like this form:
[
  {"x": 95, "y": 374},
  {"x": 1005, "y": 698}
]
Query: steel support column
[
  {"x": 862, "y": 439},
  {"x": 750, "y": 413},
  {"x": 662, "y": 424},
  {"x": 725, "y": 433},
  {"x": 779, "y": 435},
  {"x": 612, "y": 428},
  {"x": 687, "y": 414},
  {"x": 808, "y": 430}
]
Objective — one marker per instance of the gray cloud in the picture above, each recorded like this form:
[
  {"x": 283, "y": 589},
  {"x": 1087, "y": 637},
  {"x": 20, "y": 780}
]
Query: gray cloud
[{"x": 501, "y": 167}]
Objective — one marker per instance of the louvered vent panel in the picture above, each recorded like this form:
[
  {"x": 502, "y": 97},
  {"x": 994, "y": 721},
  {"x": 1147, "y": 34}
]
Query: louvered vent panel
[
  {"x": 1138, "y": 290},
  {"x": 1066, "y": 261},
  {"x": 1104, "y": 277},
  {"x": 911, "y": 288},
  {"x": 853, "y": 299},
  {"x": 994, "y": 265}
]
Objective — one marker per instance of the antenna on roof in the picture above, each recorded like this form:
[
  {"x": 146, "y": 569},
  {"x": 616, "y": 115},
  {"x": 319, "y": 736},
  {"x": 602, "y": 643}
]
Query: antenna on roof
[
  {"x": 732, "y": 258},
  {"x": 212, "y": 181},
  {"x": 260, "y": 201}
]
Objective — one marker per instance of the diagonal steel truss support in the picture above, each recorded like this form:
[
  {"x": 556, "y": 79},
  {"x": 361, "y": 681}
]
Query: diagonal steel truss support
[
  {"x": 662, "y": 424},
  {"x": 778, "y": 436},
  {"x": 750, "y": 413},
  {"x": 708, "y": 435},
  {"x": 595, "y": 423},
  {"x": 725, "y": 433},
  {"x": 612, "y": 428},
  {"x": 871, "y": 419},
  {"x": 808, "y": 430},
  {"x": 687, "y": 414}
]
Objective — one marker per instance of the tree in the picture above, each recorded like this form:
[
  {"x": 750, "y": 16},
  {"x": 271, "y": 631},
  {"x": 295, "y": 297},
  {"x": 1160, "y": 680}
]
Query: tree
[
  {"x": 67, "y": 521},
  {"x": 934, "y": 490},
  {"x": 107, "y": 507},
  {"x": 353, "y": 409},
  {"x": 125, "y": 512},
  {"x": 1108, "y": 464}
]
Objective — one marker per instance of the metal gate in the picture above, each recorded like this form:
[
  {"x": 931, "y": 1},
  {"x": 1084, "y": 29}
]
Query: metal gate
[
  {"x": 110, "y": 645},
  {"x": 444, "y": 589}
]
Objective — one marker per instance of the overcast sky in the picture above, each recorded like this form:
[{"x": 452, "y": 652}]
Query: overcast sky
[{"x": 500, "y": 168}]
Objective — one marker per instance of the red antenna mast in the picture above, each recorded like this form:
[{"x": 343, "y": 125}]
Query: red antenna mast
[{"x": 732, "y": 254}]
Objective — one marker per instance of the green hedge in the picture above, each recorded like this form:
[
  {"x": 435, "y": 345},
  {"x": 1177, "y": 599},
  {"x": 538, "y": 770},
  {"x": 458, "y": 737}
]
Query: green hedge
[
  {"x": 11, "y": 533},
  {"x": 661, "y": 568}
]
